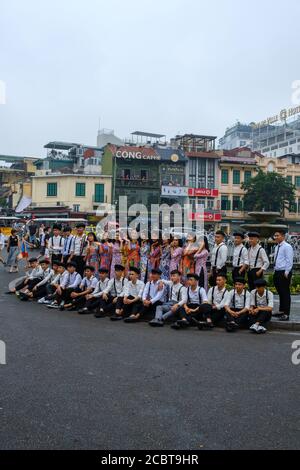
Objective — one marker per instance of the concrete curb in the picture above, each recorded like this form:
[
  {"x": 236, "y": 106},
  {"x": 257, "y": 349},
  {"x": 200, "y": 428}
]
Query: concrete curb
[{"x": 286, "y": 326}]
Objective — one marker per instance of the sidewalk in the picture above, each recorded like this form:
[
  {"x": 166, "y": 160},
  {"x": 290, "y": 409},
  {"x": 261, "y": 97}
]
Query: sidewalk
[{"x": 294, "y": 323}]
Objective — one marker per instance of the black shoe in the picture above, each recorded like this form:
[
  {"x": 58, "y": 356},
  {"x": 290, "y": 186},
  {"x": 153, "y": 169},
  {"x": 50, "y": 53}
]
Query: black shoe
[
  {"x": 116, "y": 318},
  {"x": 277, "y": 315},
  {"x": 9, "y": 292},
  {"x": 131, "y": 320},
  {"x": 156, "y": 322},
  {"x": 176, "y": 326},
  {"x": 83, "y": 311},
  {"x": 284, "y": 318},
  {"x": 23, "y": 296},
  {"x": 183, "y": 323}
]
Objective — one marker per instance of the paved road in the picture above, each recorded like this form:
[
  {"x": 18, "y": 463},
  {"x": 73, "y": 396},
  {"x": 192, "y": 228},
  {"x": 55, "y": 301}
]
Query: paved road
[{"x": 75, "y": 382}]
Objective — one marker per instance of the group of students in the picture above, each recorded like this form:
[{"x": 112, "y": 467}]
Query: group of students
[
  {"x": 130, "y": 299},
  {"x": 68, "y": 276}
]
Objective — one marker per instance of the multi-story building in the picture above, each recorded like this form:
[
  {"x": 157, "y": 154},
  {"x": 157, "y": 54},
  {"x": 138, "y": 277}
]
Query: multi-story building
[
  {"x": 236, "y": 166},
  {"x": 238, "y": 135},
  {"x": 202, "y": 176},
  {"x": 71, "y": 176}
]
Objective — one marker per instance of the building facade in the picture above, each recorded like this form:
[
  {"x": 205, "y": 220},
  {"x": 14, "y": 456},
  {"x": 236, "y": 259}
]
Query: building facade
[{"x": 71, "y": 176}]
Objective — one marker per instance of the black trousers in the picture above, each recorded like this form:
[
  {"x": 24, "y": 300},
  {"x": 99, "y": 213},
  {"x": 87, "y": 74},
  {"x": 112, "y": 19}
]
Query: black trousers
[
  {"x": 217, "y": 316},
  {"x": 282, "y": 285},
  {"x": 109, "y": 306},
  {"x": 30, "y": 284},
  {"x": 93, "y": 304},
  {"x": 203, "y": 312},
  {"x": 215, "y": 272},
  {"x": 80, "y": 264},
  {"x": 262, "y": 317},
  {"x": 252, "y": 277},
  {"x": 235, "y": 273},
  {"x": 242, "y": 320},
  {"x": 132, "y": 309},
  {"x": 66, "y": 295},
  {"x": 40, "y": 292},
  {"x": 149, "y": 311}
]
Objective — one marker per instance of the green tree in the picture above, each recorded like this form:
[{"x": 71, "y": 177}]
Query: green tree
[{"x": 268, "y": 192}]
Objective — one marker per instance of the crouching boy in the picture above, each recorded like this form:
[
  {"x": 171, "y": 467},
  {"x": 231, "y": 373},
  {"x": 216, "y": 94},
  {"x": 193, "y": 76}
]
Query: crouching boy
[
  {"x": 237, "y": 306},
  {"x": 261, "y": 306}
]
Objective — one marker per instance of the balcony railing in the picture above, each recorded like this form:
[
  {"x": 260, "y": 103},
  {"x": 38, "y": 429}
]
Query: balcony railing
[{"x": 145, "y": 183}]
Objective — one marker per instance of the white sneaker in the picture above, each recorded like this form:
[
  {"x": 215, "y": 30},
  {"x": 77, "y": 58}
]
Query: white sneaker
[
  {"x": 261, "y": 329},
  {"x": 254, "y": 327},
  {"x": 41, "y": 301}
]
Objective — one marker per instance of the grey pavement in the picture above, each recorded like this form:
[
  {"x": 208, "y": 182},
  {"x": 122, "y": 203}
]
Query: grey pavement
[{"x": 77, "y": 382}]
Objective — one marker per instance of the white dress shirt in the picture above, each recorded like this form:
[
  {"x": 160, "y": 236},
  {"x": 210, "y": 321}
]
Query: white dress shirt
[
  {"x": 68, "y": 244},
  {"x": 100, "y": 287},
  {"x": 283, "y": 257},
  {"x": 217, "y": 297},
  {"x": 88, "y": 283},
  {"x": 78, "y": 245},
  {"x": 116, "y": 287},
  {"x": 152, "y": 293},
  {"x": 47, "y": 276},
  {"x": 36, "y": 272},
  {"x": 56, "y": 245},
  {"x": 134, "y": 289},
  {"x": 238, "y": 301},
  {"x": 219, "y": 256},
  {"x": 196, "y": 296},
  {"x": 176, "y": 293},
  {"x": 71, "y": 280},
  {"x": 266, "y": 300},
  {"x": 240, "y": 256},
  {"x": 258, "y": 257}
]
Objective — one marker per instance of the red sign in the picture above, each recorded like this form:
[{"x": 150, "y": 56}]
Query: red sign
[
  {"x": 208, "y": 216},
  {"x": 203, "y": 192}
]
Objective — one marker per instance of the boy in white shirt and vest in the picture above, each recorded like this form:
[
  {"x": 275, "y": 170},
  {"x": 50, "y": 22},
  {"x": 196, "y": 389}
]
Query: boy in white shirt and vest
[
  {"x": 237, "y": 306},
  {"x": 56, "y": 244},
  {"x": 133, "y": 293},
  {"x": 176, "y": 299},
  {"x": 112, "y": 297},
  {"x": 93, "y": 299},
  {"x": 240, "y": 260},
  {"x": 261, "y": 306},
  {"x": 217, "y": 297},
  {"x": 87, "y": 286},
  {"x": 218, "y": 257},
  {"x": 258, "y": 260},
  {"x": 196, "y": 310}
]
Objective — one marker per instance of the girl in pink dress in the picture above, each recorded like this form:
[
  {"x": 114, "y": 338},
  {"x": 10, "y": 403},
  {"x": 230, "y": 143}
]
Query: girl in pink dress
[
  {"x": 116, "y": 254},
  {"x": 176, "y": 254},
  {"x": 93, "y": 252},
  {"x": 200, "y": 267}
]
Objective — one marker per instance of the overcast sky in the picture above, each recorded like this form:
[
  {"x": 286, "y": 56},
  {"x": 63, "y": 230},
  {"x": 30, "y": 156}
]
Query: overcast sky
[{"x": 163, "y": 66}]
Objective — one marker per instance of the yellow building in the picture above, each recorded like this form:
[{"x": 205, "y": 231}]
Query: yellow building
[
  {"x": 79, "y": 192},
  {"x": 287, "y": 166},
  {"x": 238, "y": 166}
]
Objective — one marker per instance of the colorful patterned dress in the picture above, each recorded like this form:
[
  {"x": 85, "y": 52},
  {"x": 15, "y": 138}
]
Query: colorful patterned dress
[
  {"x": 133, "y": 255},
  {"x": 144, "y": 251},
  {"x": 175, "y": 262},
  {"x": 164, "y": 264},
  {"x": 116, "y": 257},
  {"x": 188, "y": 260},
  {"x": 201, "y": 269},
  {"x": 154, "y": 257},
  {"x": 105, "y": 255},
  {"x": 93, "y": 256}
]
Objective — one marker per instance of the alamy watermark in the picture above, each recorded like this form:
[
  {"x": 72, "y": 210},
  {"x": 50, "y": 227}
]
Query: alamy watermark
[
  {"x": 296, "y": 354},
  {"x": 161, "y": 221},
  {"x": 2, "y": 92},
  {"x": 2, "y": 353}
]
